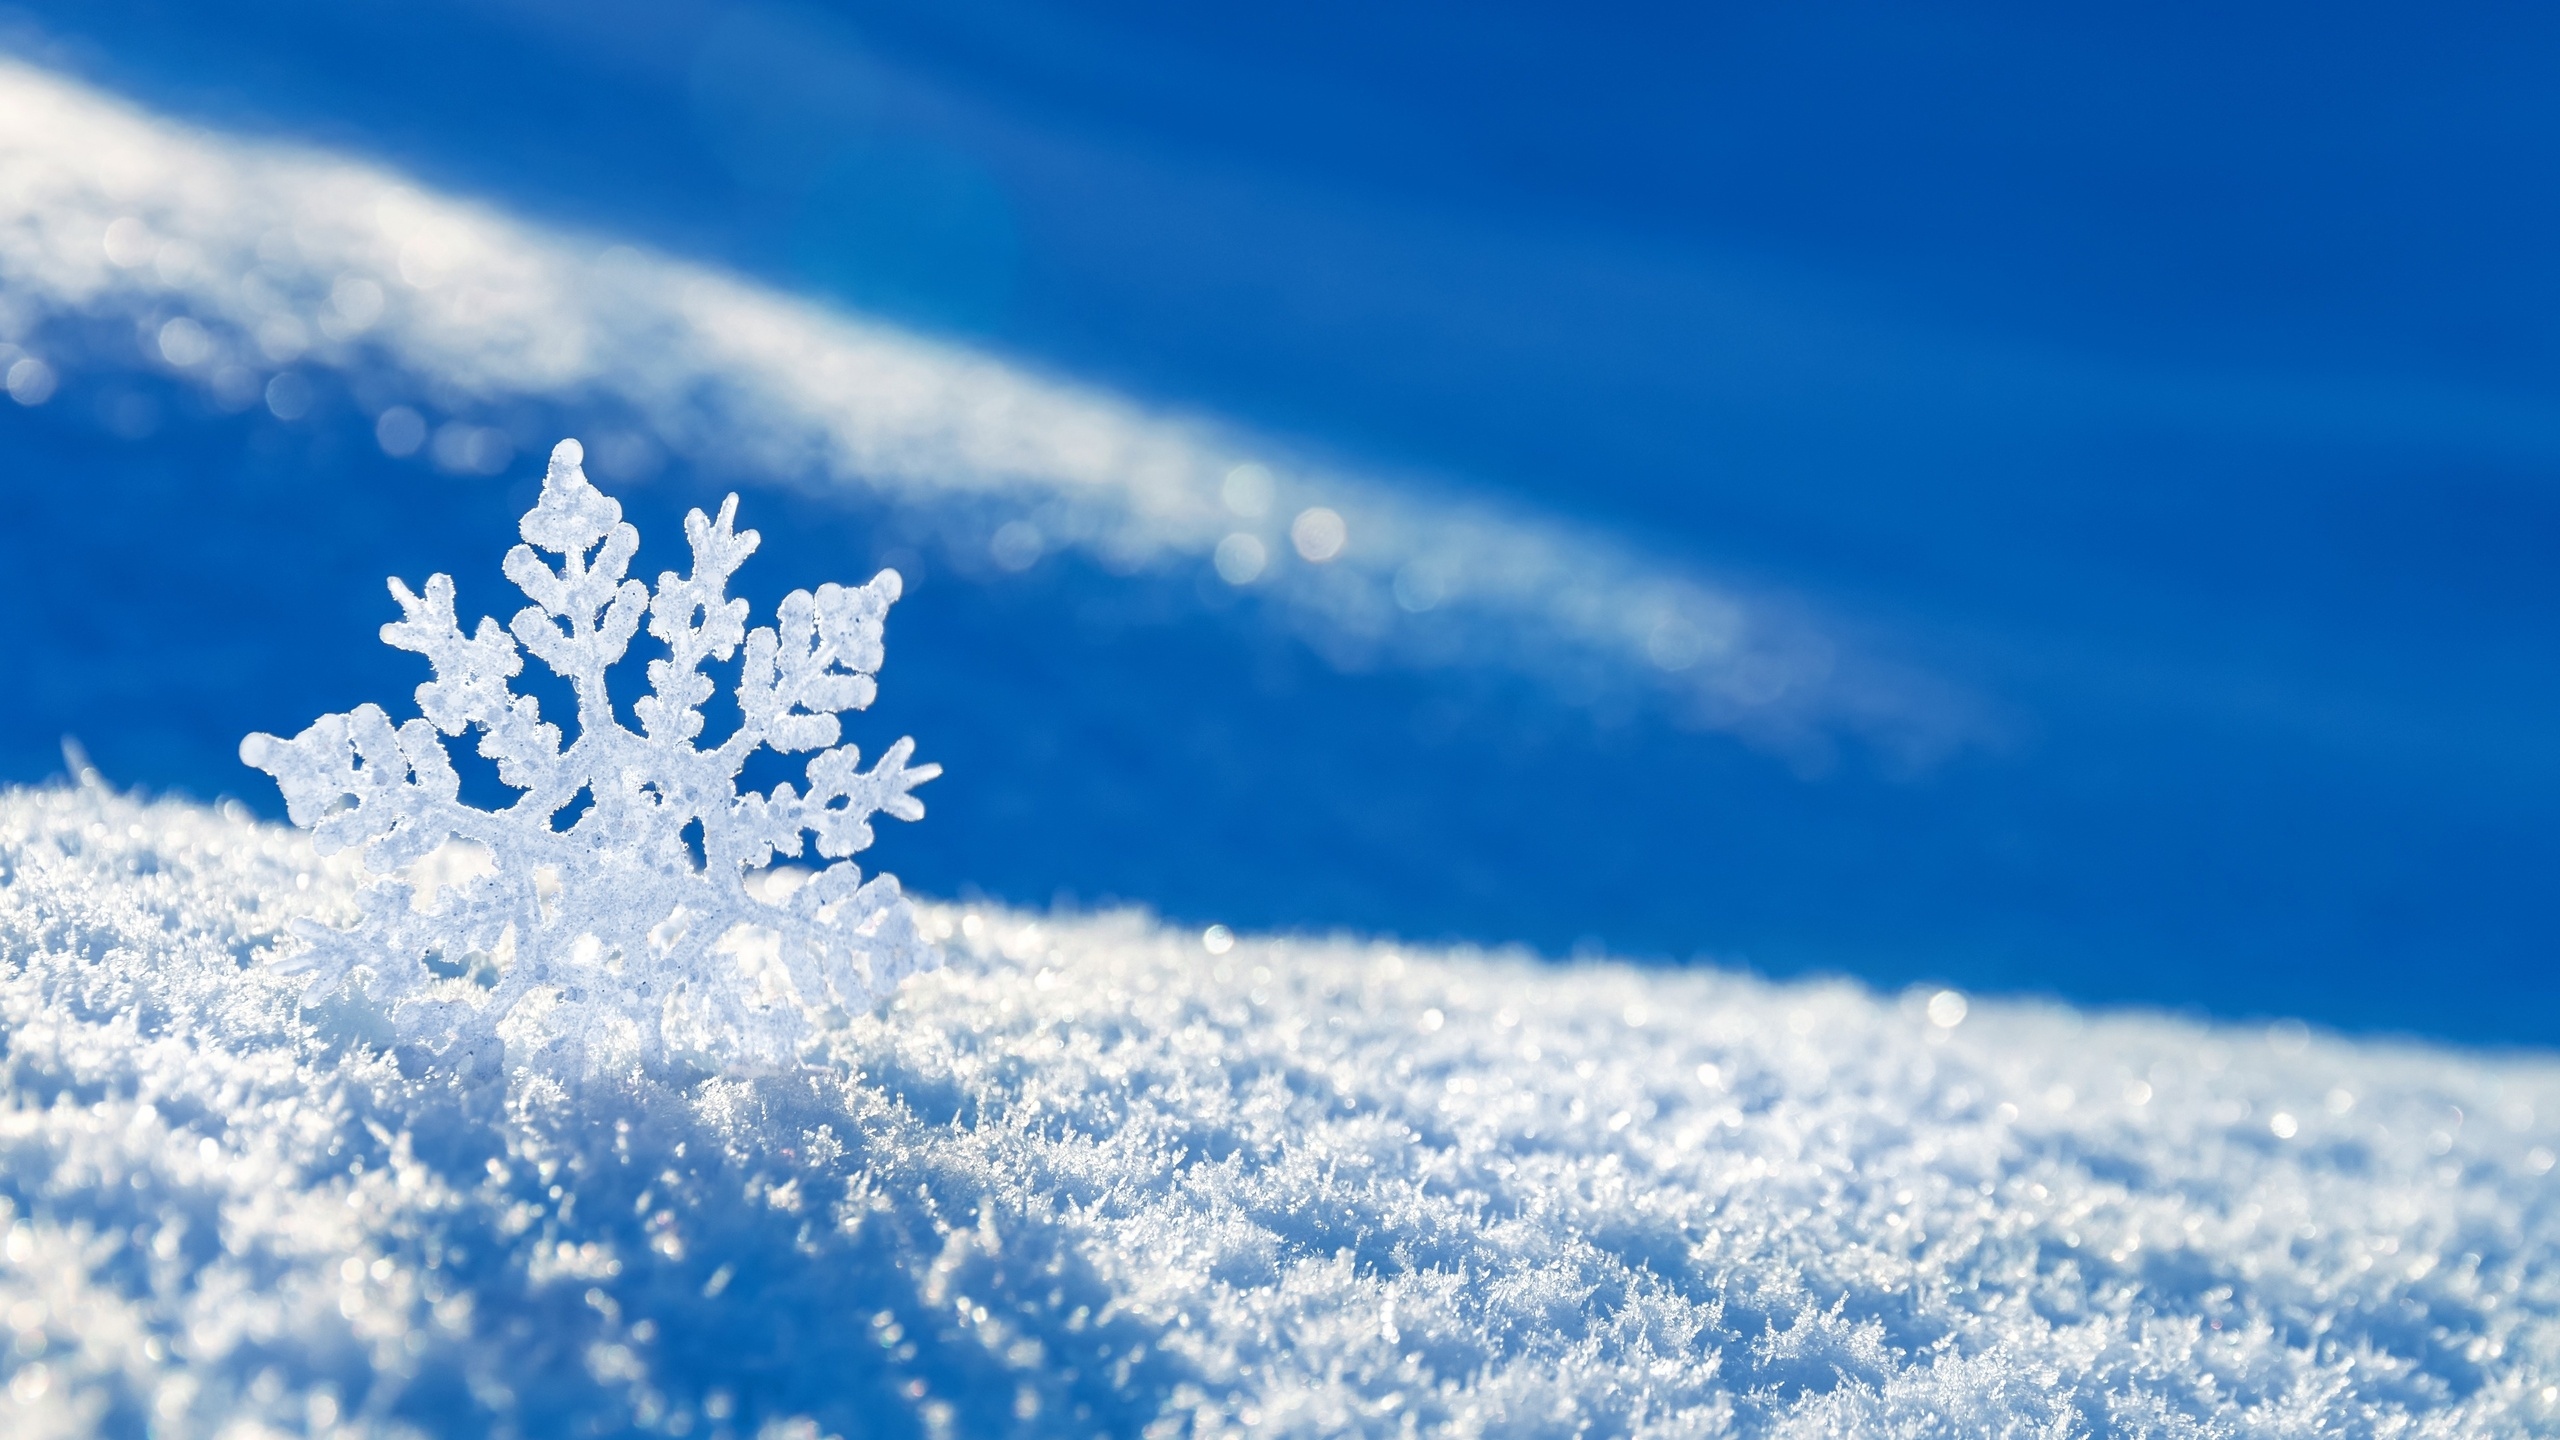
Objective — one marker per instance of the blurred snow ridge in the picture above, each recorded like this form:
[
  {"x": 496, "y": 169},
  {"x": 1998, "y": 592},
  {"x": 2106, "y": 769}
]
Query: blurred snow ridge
[
  {"x": 1097, "y": 1177},
  {"x": 250, "y": 267}
]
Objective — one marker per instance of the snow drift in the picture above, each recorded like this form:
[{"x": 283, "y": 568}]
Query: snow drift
[
  {"x": 241, "y": 265},
  {"x": 1092, "y": 1178}
]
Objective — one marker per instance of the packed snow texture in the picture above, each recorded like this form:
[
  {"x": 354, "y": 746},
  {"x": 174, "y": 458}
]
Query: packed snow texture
[
  {"x": 1100, "y": 1177},
  {"x": 596, "y": 935}
]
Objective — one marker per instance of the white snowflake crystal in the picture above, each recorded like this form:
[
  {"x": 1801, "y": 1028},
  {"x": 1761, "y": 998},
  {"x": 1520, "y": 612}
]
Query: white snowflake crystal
[{"x": 657, "y": 924}]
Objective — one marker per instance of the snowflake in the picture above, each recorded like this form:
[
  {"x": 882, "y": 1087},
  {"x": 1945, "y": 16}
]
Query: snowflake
[{"x": 655, "y": 922}]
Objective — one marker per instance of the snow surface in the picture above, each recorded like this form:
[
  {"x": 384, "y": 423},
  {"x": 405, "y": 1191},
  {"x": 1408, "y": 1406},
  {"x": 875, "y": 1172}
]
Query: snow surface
[{"x": 1094, "y": 1178}]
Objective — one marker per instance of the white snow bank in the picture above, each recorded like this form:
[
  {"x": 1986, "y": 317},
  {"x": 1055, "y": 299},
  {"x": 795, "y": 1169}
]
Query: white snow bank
[
  {"x": 242, "y": 264},
  {"x": 1093, "y": 1179}
]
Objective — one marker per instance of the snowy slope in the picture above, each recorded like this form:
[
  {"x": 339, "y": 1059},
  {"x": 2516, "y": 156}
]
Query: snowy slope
[{"x": 1091, "y": 1178}]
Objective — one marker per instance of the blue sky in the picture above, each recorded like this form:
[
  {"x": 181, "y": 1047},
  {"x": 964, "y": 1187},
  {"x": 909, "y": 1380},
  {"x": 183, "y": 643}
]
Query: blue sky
[{"x": 2174, "y": 389}]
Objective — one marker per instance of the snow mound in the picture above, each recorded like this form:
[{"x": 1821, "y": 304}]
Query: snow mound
[
  {"x": 1093, "y": 1179},
  {"x": 240, "y": 262}
]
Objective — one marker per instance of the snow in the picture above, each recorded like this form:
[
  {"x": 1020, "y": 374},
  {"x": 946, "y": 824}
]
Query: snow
[
  {"x": 607, "y": 937},
  {"x": 1093, "y": 1178},
  {"x": 282, "y": 265}
]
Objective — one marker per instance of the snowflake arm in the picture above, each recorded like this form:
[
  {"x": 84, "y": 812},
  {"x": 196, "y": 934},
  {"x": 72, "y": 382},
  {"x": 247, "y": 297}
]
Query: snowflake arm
[
  {"x": 470, "y": 689},
  {"x": 694, "y": 621},
  {"x": 584, "y": 612}
]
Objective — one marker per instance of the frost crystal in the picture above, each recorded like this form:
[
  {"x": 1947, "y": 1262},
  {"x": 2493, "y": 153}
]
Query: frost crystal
[{"x": 656, "y": 923}]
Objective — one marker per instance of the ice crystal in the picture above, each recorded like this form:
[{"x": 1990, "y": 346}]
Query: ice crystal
[{"x": 655, "y": 921}]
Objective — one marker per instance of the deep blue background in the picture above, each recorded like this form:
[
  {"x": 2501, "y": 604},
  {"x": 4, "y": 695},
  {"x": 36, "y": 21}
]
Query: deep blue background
[{"x": 2181, "y": 383}]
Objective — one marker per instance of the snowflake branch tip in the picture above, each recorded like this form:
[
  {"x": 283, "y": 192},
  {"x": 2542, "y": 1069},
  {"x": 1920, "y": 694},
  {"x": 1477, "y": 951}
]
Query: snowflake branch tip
[{"x": 646, "y": 922}]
